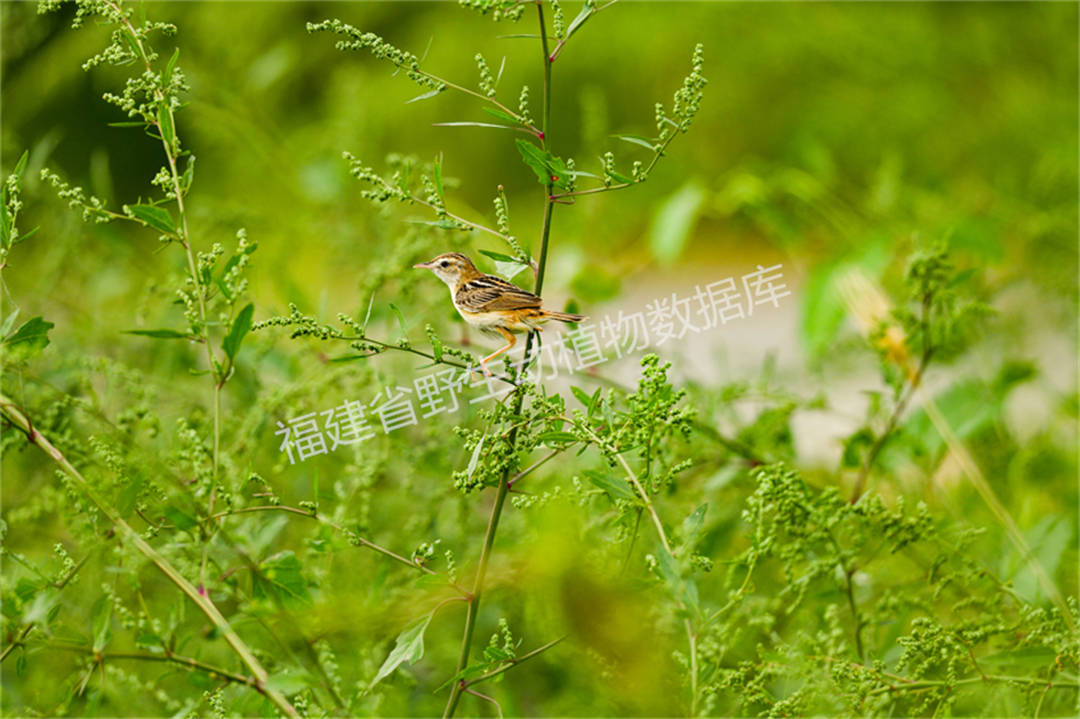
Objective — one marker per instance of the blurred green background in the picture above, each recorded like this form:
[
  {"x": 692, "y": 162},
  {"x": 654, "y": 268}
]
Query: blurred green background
[{"x": 832, "y": 135}]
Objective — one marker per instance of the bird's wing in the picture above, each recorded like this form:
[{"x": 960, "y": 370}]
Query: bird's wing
[{"x": 490, "y": 294}]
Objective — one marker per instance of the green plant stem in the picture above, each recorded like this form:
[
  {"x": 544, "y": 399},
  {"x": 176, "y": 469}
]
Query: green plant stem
[
  {"x": 919, "y": 684},
  {"x": 16, "y": 416},
  {"x": 478, "y": 587},
  {"x": 504, "y": 482},
  {"x": 691, "y": 635},
  {"x": 622, "y": 185},
  {"x": 514, "y": 662},
  {"x": 353, "y": 536},
  {"x": 418, "y": 353},
  {"x": 849, "y": 589},
  {"x": 890, "y": 427},
  {"x": 185, "y": 240},
  {"x": 547, "y": 74},
  {"x": 167, "y": 656}
]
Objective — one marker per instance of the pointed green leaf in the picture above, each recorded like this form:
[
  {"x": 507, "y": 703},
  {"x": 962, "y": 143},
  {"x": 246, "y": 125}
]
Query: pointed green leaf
[
  {"x": 577, "y": 22},
  {"x": 31, "y": 338},
  {"x": 167, "y": 75},
  {"x": 163, "y": 334},
  {"x": 240, "y": 327},
  {"x": 616, "y": 487},
  {"x": 425, "y": 96},
  {"x": 157, "y": 217},
  {"x": 281, "y": 577},
  {"x": 9, "y": 321},
  {"x": 692, "y": 525},
  {"x": 438, "y": 180},
  {"x": 638, "y": 140},
  {"x": 471, "y": 124},
  {"x": 165, "y": 122},
  {"x": 494, "y": 112},
  {"x": 409, "y": 647},
  {"x": 102, "y": 613},
  {"x": 583, "y": 397}
]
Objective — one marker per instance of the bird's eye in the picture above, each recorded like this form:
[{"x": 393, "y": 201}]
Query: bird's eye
[{"x": 444, "y": 263}]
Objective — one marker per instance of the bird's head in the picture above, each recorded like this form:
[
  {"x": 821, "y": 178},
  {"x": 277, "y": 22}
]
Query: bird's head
[{"x": 451, "y": 268}]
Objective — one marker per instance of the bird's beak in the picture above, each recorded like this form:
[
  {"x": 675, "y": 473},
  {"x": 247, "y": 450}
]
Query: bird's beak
[{"x": 422, "y": 266}]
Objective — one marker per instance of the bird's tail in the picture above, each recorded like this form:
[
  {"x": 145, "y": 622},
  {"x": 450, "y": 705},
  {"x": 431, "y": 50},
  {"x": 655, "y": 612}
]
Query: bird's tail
[{"x": 563, "y": 316}]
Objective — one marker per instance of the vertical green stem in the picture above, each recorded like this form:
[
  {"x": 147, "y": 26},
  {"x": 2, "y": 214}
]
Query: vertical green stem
[
  {"x": 185, "y": 240},
  {"x": 504, "y": 482}
]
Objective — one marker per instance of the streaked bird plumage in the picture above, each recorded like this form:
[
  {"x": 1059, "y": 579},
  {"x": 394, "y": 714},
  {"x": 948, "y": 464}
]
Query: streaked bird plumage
[{"x": 490, "y": 303}]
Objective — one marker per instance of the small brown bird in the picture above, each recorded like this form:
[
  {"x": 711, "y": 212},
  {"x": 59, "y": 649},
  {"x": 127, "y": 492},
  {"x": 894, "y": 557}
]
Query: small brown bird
[{"x": 490, "y": 303}]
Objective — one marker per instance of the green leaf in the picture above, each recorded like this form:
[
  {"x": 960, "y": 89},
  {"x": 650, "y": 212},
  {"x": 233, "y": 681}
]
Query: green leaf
[
  {"x": 126, "y": 124},
  {"x": 157, "y": 217},
  {"x": 425, "y": 96},
  {"x": 494, "y": 112},
  {"x": 577, "y": 22},
  {"x": 289, "y": 683},
  {"x": 102, "y": 613},
  {"x": 240, "y": 327},
  {"x": 669, "y": 570},
  {"x": 20, "y": 166},
  {"x": 550, "y": 170},
  {"x": 163, "y": 334},
  {"x": 400, "y": 318},
  {"x": 556, "y": 439},
  {"x": 409, "y": 647},
  {"x": 9, "y": 321},
  {"x": 475, "y": 458},
  {"x": 691, "y": 526},
  {"x": 616, "y": 487},
  {"x": 471, "y": 124},
  {"x": 583, "y": 397},
  {"x": 671, "y": 226},
  {"x": 167, "y": 75},
  {"x": 497, "y": 256},
  {"x": 281, "y": 577},
  {"x": 438, "y": 180},
  {"x": 30, "y": 339},
  {"x": 179, "y": 518},
  {"x": 470, "y": 672},
  {"x": 168, "y": 132}
]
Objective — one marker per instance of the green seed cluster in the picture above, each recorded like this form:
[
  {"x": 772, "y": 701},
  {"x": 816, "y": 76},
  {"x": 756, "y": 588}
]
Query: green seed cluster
[
  {"x": 487, "y": 82},
  {"x": 499, "y": 9},
  {"x": 380, "y": 48}
]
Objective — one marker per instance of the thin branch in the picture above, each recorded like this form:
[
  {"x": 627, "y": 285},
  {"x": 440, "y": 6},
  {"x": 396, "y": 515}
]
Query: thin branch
[
  {"x": 485, "y": 697},
  {"x": 890, "y": 427},
  {"x": 168, "y": 656},
  {"x": 353, "y": 536},
  {"x": 514, "y": 662},
  {"x": 519, "y": 398},
  {"x": 419, "y": 353},
  {"x": 539, "y": 463},
  {"x": 622, "y": 185}
]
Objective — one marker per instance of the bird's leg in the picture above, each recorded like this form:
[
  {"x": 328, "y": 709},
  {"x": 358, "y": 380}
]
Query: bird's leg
[{"x": 510, "y": 342}]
